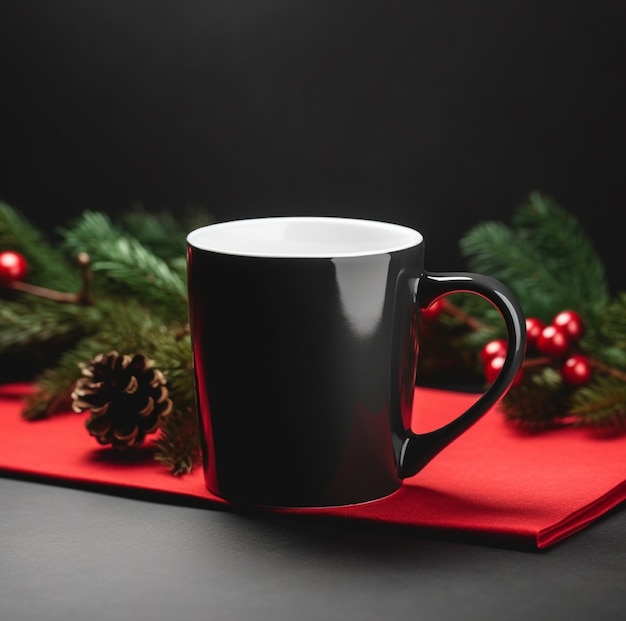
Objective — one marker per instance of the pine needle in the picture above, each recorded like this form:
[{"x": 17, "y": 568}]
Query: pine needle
[
  {"x": 544, "y": 256},
  {"x": 178, "y": 446},
  {"x": 602, "y": 403},
  {"x": 46, "y": 265},
  {"x": 162, "y": 233},
  {"x": 126, "y": 267},
  {"x": 540, "y": 403}
]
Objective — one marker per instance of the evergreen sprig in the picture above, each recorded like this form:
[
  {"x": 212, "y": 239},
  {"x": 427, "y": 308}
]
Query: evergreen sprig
[
  {"x": 126, "y": 266},
  {"x": 542, "y": 401},
  {"x": 46, "y": 263},
  {"x": 609, "y": 338},
  {"x": 179, "y": 442},
  {"x": 138, "y": 305},
  {"x": 161, "y": 232},
  {"x": 545, "y": 256},
  {"x": 47, "y": 325}
]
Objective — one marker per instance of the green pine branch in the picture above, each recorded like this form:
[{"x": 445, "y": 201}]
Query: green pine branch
[
  {"x": 541, "y": 402},
  {"x": 601, "y": 403},
  {"x": 48, "y": 266},
  {"x": 124, "y": 267},
  {"x": 28, "y": 325},
  {"x": 138, "y": 305},
  {"x": 611, "y": 329},
  {"x": 544, "y": 256},
  {"x": 161, "y": 232},
  {"x": 605, "y": 339},
  {"x": 178, "y": 445}
]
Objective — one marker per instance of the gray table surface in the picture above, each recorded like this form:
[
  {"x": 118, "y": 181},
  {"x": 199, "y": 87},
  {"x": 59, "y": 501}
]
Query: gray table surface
[{"x": 68, "y": 554}]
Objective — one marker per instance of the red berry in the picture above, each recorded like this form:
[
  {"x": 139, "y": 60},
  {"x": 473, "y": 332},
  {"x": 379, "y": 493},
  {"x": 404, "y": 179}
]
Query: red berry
[
  {"x": 13, "y": 266},
  {"x": 434, "y": 310},
  {"x": 493, "y": 368},
  {"x": 492, "y": 349},
  {"x": 572, "y": 322},
  {"x": 534, "y": 326},
  {"x": 576, "y": 370},
  {"x": 553, "y": 341}
]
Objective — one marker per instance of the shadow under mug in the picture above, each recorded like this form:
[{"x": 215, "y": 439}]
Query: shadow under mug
[{"x": 305, "y": 334}]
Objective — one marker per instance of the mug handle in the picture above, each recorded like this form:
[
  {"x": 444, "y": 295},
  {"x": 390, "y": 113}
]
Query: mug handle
[{"x": 418, "y": 449}]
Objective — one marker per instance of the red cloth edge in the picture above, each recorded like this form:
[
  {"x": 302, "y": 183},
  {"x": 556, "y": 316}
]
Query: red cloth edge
[{"x": 514, "y": 491}]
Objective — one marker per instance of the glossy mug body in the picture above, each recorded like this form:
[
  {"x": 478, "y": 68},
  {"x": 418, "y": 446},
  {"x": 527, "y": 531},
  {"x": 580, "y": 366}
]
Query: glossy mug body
[{"x": 305, "y": 336}]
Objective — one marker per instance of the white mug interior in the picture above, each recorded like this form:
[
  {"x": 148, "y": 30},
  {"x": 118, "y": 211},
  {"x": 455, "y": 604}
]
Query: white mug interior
[{"x": 304, "y": 237}]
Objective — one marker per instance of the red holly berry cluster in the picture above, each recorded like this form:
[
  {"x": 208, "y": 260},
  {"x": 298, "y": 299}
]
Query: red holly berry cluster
[
  {"x": 554, "y": 343},
  {"x": 558, "y": 341}
]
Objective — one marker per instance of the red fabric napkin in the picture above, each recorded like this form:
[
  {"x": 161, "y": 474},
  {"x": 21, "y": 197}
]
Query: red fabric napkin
[{"x": 494, "y": 483}]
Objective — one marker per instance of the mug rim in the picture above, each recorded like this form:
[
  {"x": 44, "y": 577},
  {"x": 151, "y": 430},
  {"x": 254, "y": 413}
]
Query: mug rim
[{"x": 286, "y": 237}]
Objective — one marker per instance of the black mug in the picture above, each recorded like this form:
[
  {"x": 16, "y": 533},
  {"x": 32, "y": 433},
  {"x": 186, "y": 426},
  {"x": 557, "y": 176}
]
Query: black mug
[{"x": 305, "y": 335}]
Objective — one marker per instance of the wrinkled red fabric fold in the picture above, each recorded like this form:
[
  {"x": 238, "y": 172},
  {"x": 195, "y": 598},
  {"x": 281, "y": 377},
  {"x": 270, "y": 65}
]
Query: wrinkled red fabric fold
[{"x": 495, "y": 482}]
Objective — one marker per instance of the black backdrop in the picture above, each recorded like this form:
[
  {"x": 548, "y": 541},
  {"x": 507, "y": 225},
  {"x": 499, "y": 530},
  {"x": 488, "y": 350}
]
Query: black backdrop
[{"x": 434, "y": 114}]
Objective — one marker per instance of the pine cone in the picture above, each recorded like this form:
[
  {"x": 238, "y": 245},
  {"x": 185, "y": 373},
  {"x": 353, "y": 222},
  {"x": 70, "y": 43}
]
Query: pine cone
[{"x": 126, "y": 397}]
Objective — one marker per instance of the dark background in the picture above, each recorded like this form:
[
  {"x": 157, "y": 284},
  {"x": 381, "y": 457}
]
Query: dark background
[{"x": 433, "y": 114}]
